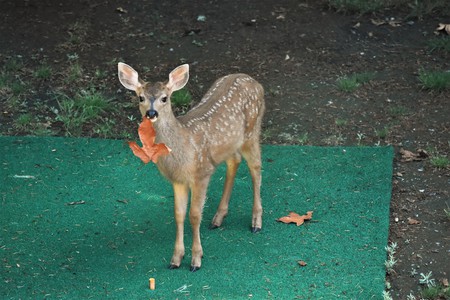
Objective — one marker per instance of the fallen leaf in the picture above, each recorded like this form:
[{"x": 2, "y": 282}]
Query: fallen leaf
[
  {"x": 377, "y": 22},
  {"x": 149, "y": 150},
  {"x": 395, "y": 23},
  {"x": 410, "y": 156},
  {"x": 302, "y": 263},
  {"x": 412, "y": 221},
  {"x": 121, "y": 10},
  {"x": 444, "y": 282},
  {"x": 445, "y": 27},
  {"x": 296, "y": 218}
]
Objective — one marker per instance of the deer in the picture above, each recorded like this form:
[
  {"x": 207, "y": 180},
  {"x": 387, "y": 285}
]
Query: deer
[{"x": 224, "y": 126}]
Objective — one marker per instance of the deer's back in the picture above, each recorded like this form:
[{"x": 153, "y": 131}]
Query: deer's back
[{"x": 228, "y": 115}]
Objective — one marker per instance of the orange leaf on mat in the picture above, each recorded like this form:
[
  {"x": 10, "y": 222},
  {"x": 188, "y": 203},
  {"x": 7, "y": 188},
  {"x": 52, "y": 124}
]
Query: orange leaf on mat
[
  {"x": 149, "y": 150},
  {"x": 296, "y": 218}
]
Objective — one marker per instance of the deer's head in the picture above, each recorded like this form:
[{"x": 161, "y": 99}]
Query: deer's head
[{"x": 154, "y": 98}]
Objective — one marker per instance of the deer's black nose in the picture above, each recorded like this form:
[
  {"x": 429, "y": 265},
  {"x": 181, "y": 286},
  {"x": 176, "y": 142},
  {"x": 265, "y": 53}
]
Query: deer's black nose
[{"x": 152, "y": 114}]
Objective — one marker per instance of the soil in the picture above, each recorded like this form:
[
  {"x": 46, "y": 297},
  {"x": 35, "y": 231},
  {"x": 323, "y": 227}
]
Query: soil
[{"x": 296, "y": 49}]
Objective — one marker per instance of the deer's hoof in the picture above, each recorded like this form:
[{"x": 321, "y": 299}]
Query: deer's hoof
[
  {"x": 194, "y": 269},
  {"x": 213, "y": 226},
  {"x": 256, "y": 229},
  {"x": 172, "y": 267}
]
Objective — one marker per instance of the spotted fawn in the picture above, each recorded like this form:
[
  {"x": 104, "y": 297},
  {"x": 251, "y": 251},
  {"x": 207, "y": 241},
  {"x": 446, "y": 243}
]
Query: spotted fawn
[{"x": 223, "y": 127}]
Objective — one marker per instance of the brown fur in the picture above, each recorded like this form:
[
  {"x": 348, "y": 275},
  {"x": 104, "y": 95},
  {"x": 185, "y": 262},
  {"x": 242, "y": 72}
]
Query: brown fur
[{"x": 224, "y": 126}]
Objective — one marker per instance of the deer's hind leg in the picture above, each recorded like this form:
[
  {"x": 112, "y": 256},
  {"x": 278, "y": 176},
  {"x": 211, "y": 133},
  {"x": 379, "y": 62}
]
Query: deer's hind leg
[
  {"x": 222, "y": 211},
  {"x": 251, "y": 151}
]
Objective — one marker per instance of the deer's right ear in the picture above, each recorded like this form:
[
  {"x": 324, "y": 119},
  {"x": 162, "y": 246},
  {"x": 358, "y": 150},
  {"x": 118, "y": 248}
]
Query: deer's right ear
[
  {"x": 178, "y": 78},
  {"x": 128, "y": 77}
]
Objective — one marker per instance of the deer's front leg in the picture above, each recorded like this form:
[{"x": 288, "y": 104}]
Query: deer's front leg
[
  {"x": 195, "y": 215},
  {"x": 181, "y": 194}
]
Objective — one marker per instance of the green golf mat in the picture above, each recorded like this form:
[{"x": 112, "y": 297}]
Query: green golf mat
[{"x": 84, "y": 218}]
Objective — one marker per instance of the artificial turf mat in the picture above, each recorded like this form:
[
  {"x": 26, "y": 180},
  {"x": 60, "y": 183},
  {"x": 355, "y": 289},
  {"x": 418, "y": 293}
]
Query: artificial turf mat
[{"x": 83, "y": 218}]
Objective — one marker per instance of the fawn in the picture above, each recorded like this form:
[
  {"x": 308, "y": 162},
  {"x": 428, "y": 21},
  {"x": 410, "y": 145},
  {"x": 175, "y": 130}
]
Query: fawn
[{"x": 224, "y": 126}]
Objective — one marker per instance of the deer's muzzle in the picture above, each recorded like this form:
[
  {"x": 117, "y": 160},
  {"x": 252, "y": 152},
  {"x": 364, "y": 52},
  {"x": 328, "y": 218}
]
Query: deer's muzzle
[{"x": 152, "y": 115}]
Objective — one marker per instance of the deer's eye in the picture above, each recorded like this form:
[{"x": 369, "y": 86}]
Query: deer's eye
[
  {"x": 164, "y": 99},
  {"x": 141, "y": 99}
]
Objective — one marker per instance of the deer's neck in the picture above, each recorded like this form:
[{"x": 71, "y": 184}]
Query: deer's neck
[{"x": 178, "y": 164}]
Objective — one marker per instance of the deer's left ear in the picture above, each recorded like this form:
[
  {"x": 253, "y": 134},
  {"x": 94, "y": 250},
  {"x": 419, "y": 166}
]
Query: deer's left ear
[{"x": 178, "y": 78}]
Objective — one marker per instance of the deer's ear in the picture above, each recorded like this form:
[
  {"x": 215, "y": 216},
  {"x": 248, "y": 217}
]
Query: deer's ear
[
  {"x": 128, "y": 77},
  {"x": 178, "y": 78}
]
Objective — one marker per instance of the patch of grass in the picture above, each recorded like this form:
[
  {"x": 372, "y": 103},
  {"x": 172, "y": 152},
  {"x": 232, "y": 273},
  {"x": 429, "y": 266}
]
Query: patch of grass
[
  {"x": 349, "y": 84},
  {"x": 18, "y": 88},
  {"x": 439, "y": 43},
  {"x": 421, "y": 8},
  {"x": 181, "y": 100},
  {"x": 435, "y": 292},
  {"x": 418, "y": 8},
  {"x": 44, "y": 72},
  {"x": 105, "y": 128},
  {"x": 74, "y": 72},
  {"x": 356, "y": 6},
  {"x": 435, "y": 80},
  {"x": 13, "y": 65},
  {"x": 398, "y": 111},
  {"x": 74, "y": 113},
  {"x": 303, "y": 139},
  {"x": 340, "y": 122},
  {"x": 440, "y": 162},
  {"x": 447, "y": 213},
  {"x": 92, "y": 103},
  {"x": 382, "y": 133},
  {"x": 24, "y": 121},
  {"x": 78, "y": 32}
]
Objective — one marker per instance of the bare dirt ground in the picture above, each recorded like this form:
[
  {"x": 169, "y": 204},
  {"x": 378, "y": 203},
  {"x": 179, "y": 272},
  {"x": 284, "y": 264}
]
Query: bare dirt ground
[{"x": 296, "y": 49}]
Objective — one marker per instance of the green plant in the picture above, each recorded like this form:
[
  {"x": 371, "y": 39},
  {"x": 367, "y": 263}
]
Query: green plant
[
  {"x": 382, "y": 133},
  {"x": 13, "y": 65},
  {"x": 356, "y": 6},
  {"x": 91, "y": 103},
  {"x": 435, "y": 292},
  {"x": 24, "y": 121},
  {"x": 435, "y": 80},
  {"x": 387, "y": 295},
  {"x": 398, "y": 111},
  {"x": 74, "y": 72},
  {"x": 351, "y": 83},
  {"x": 18, "y": 88},
  {"x": 105, "y": 128},
  {"x": 303, "y": 139},
  {"x": 391, "y": 261},
  {"x": 85, "y": 107},
  {"x": 181, "y": 99},
  {"x": 439, "y": 43},
  {"x": 43, "y": 72},
  {"x": 447, "y": 213},
  {"x": 426, "y": 279},
  {"x": 340, "y": 122},
  {"x": 439, "y": 162},
  {"x": 420, "y": 8}
]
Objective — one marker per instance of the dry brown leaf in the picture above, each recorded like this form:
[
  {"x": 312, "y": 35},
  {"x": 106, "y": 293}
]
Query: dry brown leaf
[
  {"x": 377, "y": 22},
  {"x": 395, "y": 23},
  {"x": 410, "y": 156},
  {"x": 445, "y": 27},
  {"x": 302, "y": 263},
  {"x": 149, "y": 150},
  {"x": 296, "y": 218},
  {"x": 412, "y": 221},
  {"x": 444, "y": 282}
]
